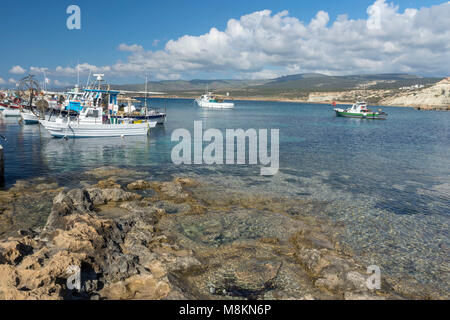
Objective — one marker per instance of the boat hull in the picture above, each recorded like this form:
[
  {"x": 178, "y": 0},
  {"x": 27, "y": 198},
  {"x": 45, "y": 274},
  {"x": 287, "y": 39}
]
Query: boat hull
[
  {"x": 159, "y": 118},
  {"x": 8, "y": 112},
  {"x": 215, "y": 105},
  {"x": 29, "y": 118},
  {"x": 370, "y": 116},
  {"x": 76, "y": 130}
]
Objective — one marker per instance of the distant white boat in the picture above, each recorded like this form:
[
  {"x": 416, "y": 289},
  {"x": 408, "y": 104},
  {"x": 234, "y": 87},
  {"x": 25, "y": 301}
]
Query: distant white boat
[{"x": 209, "y": 101}]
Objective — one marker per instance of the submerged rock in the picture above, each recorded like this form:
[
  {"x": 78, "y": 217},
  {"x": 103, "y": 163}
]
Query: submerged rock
[{"x": 139, "y": 185}]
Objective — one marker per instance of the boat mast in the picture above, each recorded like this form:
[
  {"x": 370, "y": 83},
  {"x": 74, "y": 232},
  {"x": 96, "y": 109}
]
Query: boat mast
[
  {"x": 89, "y": 79},
  {"x": 78, "y": 73}
]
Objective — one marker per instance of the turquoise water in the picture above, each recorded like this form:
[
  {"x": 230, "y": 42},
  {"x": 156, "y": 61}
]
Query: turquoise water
[{"x": 386, "y": 182}]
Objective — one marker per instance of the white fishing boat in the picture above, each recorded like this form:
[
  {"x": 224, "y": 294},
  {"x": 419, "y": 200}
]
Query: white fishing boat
[
  {"x": 91, "y": 123},
  {"x": 29, "y": 117},
  {"x": 11, "y": 111},
  {"x": 208, "y": 100}
]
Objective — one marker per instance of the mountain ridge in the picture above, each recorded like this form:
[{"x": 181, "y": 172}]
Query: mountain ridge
[{"x": 301, "y": 82}]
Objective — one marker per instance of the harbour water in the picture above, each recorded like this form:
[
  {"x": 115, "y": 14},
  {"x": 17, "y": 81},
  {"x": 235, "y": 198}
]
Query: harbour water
[{"x": 386, "y": 184}]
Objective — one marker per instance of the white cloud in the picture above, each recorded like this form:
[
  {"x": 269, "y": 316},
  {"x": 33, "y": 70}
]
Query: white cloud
[
  {"x": 83, "y": 68},
  {"x": 38, "y": 70},
  {"x": 263, "y": 44},
  {"x": 2, "y": 81},
  {"x": 12, "y": 81},
  {"x": 132, "y": 48},
  {"x": 62, "y": 83},
  {"x": 17, "y": 70}
]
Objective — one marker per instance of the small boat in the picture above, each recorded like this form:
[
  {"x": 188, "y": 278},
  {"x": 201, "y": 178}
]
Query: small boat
[
  {"x": 145, "y": 113},
  {"x": 91, "y": 123},
  {"x": 360, "y": 110},
  {"x": 29, "y": 117},
  {"x": 208, "y": 100},
  {"x": 11, "y": 111}
]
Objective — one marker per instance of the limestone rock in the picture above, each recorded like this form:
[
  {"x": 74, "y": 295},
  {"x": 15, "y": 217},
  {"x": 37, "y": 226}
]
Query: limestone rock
[{"x": 139, "y": 185}]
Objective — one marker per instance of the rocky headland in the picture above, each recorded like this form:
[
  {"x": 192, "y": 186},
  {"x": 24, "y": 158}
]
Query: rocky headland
[{"x": 174, "y": 239}]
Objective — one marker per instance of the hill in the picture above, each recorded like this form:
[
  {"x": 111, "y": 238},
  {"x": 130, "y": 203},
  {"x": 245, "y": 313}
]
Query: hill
[{"x": 301, "y": 83}]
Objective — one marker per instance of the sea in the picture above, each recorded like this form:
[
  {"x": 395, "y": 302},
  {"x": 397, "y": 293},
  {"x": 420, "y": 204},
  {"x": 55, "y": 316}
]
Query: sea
[{"x": 387, "y": 183}]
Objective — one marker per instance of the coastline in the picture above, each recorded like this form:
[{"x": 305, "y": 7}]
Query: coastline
[{"x": 303, "y": 101}]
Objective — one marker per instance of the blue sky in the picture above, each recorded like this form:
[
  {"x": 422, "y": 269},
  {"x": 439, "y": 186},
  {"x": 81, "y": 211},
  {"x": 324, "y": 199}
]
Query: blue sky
[{"x": 34, "y": 33}]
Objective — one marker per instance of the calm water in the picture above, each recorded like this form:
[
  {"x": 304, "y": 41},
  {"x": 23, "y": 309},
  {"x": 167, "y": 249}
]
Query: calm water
[{"x": 387, "y": 182}]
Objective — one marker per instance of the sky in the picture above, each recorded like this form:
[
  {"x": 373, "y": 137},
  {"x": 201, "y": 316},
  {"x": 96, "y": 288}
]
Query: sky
[{"x": 197, "y": 39}]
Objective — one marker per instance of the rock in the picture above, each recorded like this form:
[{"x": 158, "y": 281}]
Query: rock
[
  {"x": 250, "y": 279},
  {"x": 171, "y": 207},
  {"x": 102, "y": 196},
  {"x": 97, "y": 196},
  {"x": 65, "y": 203},
  {"x": 119, "y": 195},
  {"x": 184, "y": 264},
  {"x": 311, "y": 259},
  {"x": 139, "y": 185},
  {"x": 187, "y": 182},
  {"x": 46, "y": 186},
  {"x": 13, "y": 252},
  {"x": 173, "y": 190},
  {"x": 80, "y": 199},
  {"x": 357, "y": 280},
  {"x": 319, "y": 241},
  {"x": 109, "y": 183},
  {"x": 330, "y": 281},
  {"x": 142, "y": 287},
  {"x": 361, "y": 296},
  {"x": 110, "y": 171}
]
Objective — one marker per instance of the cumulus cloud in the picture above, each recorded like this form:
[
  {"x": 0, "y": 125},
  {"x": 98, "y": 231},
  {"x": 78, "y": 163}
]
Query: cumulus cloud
[
  {"x": 17, "y": 70},
  {"x": 59, "y": 83},
  {"x": 265, "y": 45},
  {"x": 12, "y": 81},
  {"x": 38, "y": 70},
  {"x": 2, "y": 81},
  {"x": 82, "y": 68},
  {"x": 131, "y": 48}
]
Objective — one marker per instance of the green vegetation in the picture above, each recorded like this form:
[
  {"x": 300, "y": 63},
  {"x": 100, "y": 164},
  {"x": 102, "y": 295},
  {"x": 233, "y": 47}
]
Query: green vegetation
[{"x": 288, "y": 87}]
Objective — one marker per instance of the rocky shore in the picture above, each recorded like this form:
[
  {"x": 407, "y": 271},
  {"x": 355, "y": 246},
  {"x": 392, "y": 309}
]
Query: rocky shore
[{"x": 173, "y": 240}]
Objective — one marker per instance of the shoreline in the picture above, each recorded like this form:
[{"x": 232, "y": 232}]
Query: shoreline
[{"x": 302, "y": 101}]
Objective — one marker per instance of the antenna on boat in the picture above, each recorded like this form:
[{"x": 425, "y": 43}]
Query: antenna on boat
[
  {"x": 146, "y": 81},
  {"x": 45, "y": 82},
  {"x": 89, "y": 78},
  {"x": 99, "y": 79},
  {"x": 78, "y": 73}
]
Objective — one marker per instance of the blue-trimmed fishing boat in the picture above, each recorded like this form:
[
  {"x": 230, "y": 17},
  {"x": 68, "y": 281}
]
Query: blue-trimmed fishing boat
[{"x": 92, "y": 120}]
